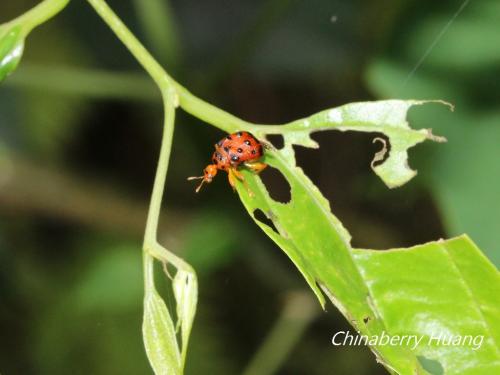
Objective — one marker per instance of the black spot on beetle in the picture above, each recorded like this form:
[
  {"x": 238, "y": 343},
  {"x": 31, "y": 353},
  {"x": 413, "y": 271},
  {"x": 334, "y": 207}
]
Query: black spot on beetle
[
  {"x": 240, "y": 150},
  {"x": 235, "y": 158},
  {"x": 253, "y": 152},
  {"x": 239, "y": 134},
  {"x": 229, "y": 137},
  {"x": 247, "y": 142},
  {"x": 226, "y": 149}
]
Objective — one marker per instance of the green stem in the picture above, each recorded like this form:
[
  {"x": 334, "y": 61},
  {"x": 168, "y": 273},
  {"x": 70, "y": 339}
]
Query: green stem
[
  {"x": 159, "y": 75},
  {"x": 169, "y": 95},
  {"x": 189, "y": 102},
  {"x": 184, "y": 282},
  {"x": 170, "y": 91},
  {"x": 148, "y": 268},
  {"x": 39, "y": 14},
  {"x": 169, "y": 101},
  {"x": 151, "y": 245}
]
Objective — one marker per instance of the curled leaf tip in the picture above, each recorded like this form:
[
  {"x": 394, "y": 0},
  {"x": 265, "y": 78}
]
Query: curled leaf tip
[
  {"x": 380, "y": 155},
  {"x": 435, "y": 138},
  {"x": 450, "y": 106}
]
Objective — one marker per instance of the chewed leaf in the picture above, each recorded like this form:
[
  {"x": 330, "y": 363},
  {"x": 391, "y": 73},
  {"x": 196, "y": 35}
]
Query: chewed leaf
[
  {"x": 388, "y": 117},
  {"x": 319, "y": 246},
  {"x": 441, "y": 288},
  {"x": 11, "y": 49}
]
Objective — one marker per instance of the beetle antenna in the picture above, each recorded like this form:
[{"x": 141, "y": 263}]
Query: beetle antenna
[
  {"x": 202, "y": 178},
  {"x": 200, "y": 185}
]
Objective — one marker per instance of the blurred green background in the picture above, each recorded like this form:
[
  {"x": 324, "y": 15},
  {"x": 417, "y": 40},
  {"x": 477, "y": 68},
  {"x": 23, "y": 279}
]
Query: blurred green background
[{"x": 80, "y": 127}]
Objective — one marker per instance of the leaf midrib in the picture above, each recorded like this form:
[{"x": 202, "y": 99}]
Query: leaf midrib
[
  {"x": 328, "y": 215},
  {"x": 471, "y": 296}
]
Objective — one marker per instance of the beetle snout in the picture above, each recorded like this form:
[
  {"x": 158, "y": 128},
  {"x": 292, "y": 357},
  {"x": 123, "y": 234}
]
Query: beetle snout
[{"x": 210, "y": 172}]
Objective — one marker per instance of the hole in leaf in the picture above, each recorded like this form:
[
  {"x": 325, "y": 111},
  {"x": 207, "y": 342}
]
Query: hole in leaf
[
  {"x": 340, "y": 161},
  {"x": 277, "y": 140},
  {"x": 276, "y": 184},
  {"x": 262, "y": 217}
]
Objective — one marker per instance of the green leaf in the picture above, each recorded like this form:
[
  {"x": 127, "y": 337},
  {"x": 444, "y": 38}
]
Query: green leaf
[
  {"x": 443, "y": 288},
  {"x": 11, "y": 49},
  {"x": 158, "y": 330},
  {"x": 387, "y": 117},
  {"x": 159, "y": 336},
  {"x": 463, "y": 176},
  {"x": 319, "y": 246},
  {"x": 13, "y": 33}
]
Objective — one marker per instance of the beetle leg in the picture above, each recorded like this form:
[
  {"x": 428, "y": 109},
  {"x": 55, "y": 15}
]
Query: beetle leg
[
  {"x": 256, "y": 167},
  {"x": 231, "y": 178},
  {"x": 238, "y": 174},
  {"x": 234, "y": 174}
]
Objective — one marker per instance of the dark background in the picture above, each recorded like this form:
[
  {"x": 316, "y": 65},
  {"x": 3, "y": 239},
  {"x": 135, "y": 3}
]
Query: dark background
[{"x": 80, "y": 127}]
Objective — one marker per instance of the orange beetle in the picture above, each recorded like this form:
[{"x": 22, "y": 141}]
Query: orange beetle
[{"x": 230, "y": 152}]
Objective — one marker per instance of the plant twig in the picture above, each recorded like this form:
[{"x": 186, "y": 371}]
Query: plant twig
[
  {"x": 39, "y": 14},
  {"x": 189, "y": 102},
  {"x": 185, "y": 285}
]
